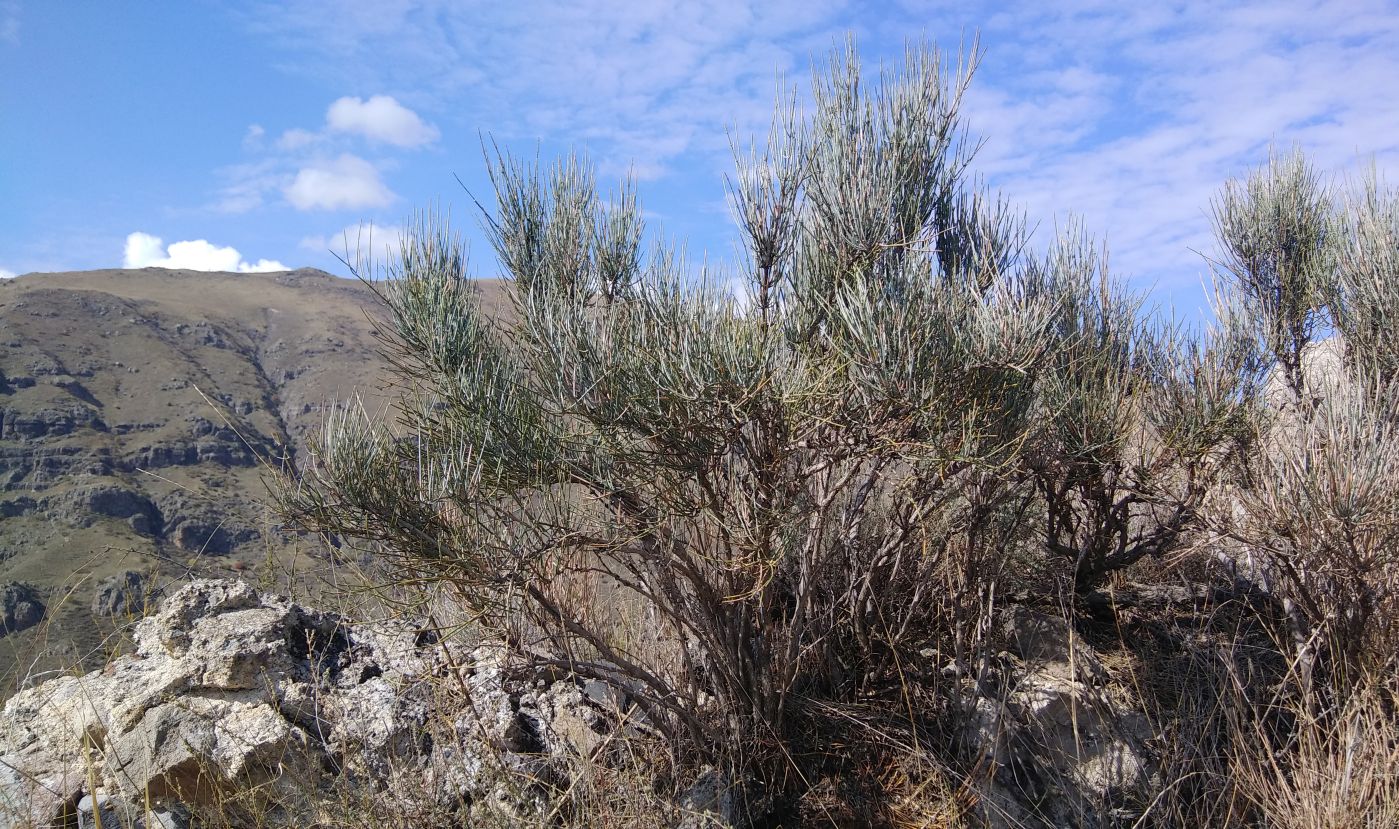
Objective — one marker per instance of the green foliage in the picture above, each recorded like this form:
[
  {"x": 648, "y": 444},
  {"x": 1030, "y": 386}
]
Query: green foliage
[
  {"x": 1136, "y": 423},
  {"x": 1276, "y": 230},
  {"x": 1364, "y": 296}
]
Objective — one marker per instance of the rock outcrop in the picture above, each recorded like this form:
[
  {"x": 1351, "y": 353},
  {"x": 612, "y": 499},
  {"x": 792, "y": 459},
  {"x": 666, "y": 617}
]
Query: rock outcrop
[
  {"x": 1060, "y": 751},
  {"x": 127, "y": 594},
  {"x": 20, "y": 607},
  {"x": 229, "y": 688},
  {"x": 233, "y": 691}
]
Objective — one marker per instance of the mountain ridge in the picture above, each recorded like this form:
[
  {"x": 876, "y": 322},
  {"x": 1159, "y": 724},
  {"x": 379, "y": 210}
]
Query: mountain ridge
[{"x": 139, "y": 411}]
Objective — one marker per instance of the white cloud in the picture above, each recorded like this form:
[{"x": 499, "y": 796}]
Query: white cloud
[
  {"x": 252, "y": 139},
  {"x": 146, "y": 251},
  {"x": 641, "y": 86},
  {"x": 357, "y": 242},
  {"x": 296, "y": 139},
  {"x": 346, "y": 182},
  {"x": 7, "y": 274},
  {"x": 380, "y": 118}
]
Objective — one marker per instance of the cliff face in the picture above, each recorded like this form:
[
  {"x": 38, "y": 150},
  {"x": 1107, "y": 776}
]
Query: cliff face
[{"x": 138, "y": 409}]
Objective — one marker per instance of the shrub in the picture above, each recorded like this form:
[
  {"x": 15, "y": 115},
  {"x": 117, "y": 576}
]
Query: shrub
[
  {"x": 1316, "y": 504},
  {"x": 1322, "y": 511},
  {"x": 1136, "y": 423},
  {"x": 1276, "y": 231},
  {"x": 778, "y": 485},
  {"x": 751, "y": 510},
  {"x": 1364, "y": 295}
]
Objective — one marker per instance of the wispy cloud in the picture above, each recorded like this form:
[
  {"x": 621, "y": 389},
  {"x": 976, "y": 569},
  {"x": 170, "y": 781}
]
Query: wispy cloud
[
  {"x": 1129, "y": 117},
  {"x": 297, "y": 138},
  {"x": 9, "y": 21},
  {"x": 1133, "y": 116},
  {"x": 364, "y": 242},
  {"x": 249, "y": 184},
  {"x": 252, "y": 138},
  {"x": 146, "y": 251},
  {"x": 641, "y": 84},
  {"x": 7, "y": 274}
]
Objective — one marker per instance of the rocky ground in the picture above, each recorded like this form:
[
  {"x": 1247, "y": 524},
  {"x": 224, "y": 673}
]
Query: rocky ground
[{"x": 232, "y": 690}]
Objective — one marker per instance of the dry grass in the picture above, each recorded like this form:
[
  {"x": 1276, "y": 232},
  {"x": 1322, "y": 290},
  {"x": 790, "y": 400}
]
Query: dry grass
[{"x": 1339, "y": 769}]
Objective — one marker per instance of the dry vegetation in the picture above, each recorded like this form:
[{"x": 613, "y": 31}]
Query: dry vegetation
[
  {"x": 791, "y": 525},
  {"x": 822, "y": 491}
]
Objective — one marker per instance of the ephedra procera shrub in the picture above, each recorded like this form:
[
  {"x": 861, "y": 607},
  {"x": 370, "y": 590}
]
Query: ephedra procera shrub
[
  {"x": 781, "y": 479},
  {"x": 754, "y": 509},
  {"x": 1319, "y": 505}
]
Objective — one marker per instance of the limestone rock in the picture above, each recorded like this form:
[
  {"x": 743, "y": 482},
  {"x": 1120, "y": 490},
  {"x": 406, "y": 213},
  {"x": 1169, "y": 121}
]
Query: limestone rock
[
  {"x": 228, "y": 686},
  {"x": 17, "y": 506},
  {"x": 204, "y": 527},
  {"x": 20, "y": 607},
  {"x": 709, "y": 803},
  {"x": 113, "y": 500},
  {"x": 179, "y": 749},
  {"x": 128, "y": 594},
  {"x": 51, "y": 421},
  {"x": 1063, "y": 754},
  {"x": 100, "y": 808}
]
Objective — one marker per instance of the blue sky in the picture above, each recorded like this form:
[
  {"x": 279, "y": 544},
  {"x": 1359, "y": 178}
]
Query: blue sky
[{"x": 248, "y": 135}]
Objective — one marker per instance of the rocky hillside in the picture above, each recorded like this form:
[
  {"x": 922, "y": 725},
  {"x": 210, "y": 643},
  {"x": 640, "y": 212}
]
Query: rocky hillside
[{"x": 138, "y": 411}]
